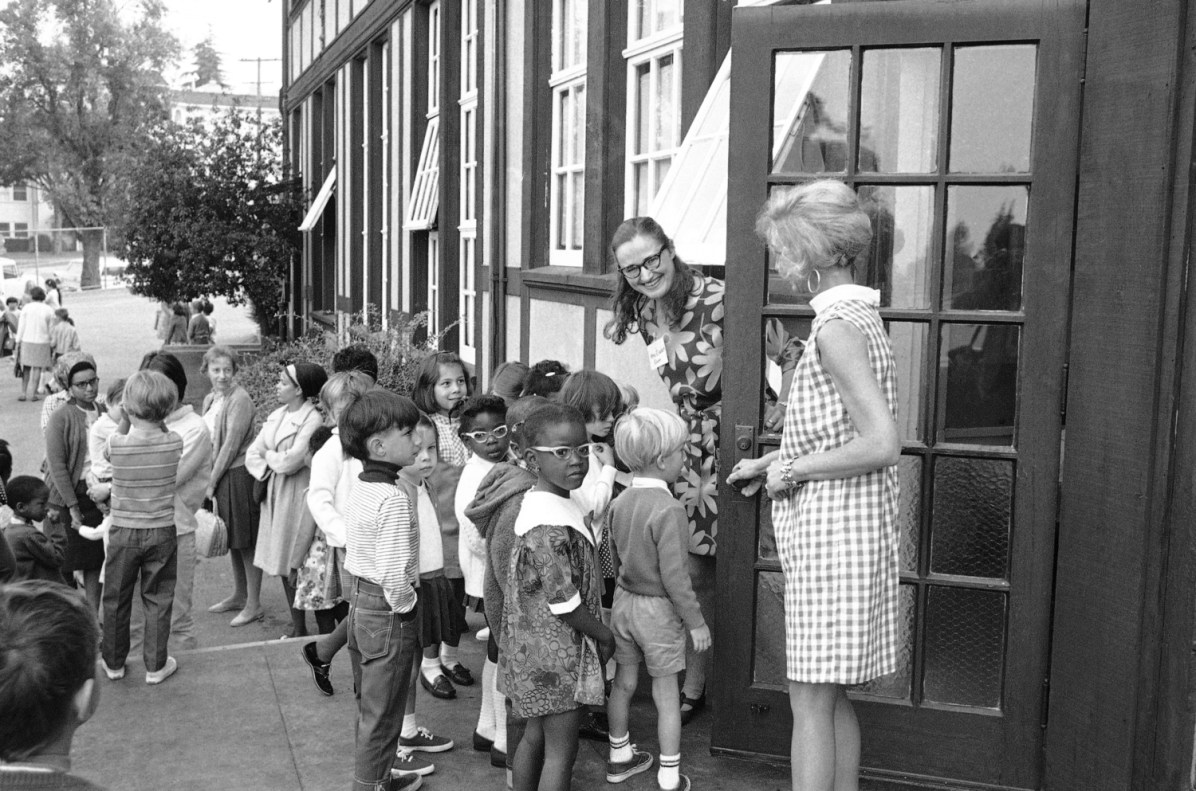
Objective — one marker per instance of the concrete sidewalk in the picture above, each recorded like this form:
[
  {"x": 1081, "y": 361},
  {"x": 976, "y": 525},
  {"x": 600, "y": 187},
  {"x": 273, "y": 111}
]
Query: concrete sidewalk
[{"x": 247, "y": 716}]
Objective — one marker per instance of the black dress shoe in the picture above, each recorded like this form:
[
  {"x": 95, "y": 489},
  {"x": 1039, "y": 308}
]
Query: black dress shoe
[
  {"x": 695, "y": 705},
  {"x": 458, "y": 674},
  {"x": 319, "y": 670},
  {"x": 481, "y": 743},
  {"x": 594, "y": 726},
  {"x": 497, "y": 757},
  {"x": 440, "y": 688}
]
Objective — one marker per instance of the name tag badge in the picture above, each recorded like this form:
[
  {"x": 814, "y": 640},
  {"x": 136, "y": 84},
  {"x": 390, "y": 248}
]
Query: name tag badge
[{"x": 658, "y": 357}]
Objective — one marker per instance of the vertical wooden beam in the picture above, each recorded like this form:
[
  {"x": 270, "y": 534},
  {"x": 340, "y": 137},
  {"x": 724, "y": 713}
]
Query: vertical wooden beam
[
  {"x": 450, "y": 167},
  {"x": 537, "y": 131},
  {"x": 707, "y": 41},
  {"x": 606, "y": 125}
]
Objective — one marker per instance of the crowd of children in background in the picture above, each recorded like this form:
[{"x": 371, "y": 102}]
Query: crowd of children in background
[{"x": 543, "y": 503}]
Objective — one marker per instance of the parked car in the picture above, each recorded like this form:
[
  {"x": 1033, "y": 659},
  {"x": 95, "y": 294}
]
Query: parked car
[{"x": 13, "y": 280}]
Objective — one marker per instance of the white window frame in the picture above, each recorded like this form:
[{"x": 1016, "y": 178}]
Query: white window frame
[
  {"x": 650, "y": 49},
  {"x": 568, "y": 85},
  {"x": 467, "y": 184},
  {"x": 24, "y": 192},
  {"x": 433, "y": 283}
]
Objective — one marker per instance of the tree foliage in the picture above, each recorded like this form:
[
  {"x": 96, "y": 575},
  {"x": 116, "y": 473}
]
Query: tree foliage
[
  {"x": 207, "y": 64},
  {"x": 211, "y": 214},
  {"x": 80, "y": 84}
]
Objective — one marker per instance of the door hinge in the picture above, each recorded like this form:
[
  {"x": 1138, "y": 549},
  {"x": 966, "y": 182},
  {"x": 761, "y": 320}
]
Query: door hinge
[
  {"x": 1046, "y": 703},
  {"x": 1063, "y": 396}
]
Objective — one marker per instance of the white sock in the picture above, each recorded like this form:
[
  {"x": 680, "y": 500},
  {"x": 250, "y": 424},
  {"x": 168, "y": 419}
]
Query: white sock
[
  {"x": 500, "y": 716},
  {"x": 668, "y": 776},
  {"x": 430, "y": 667},
  {"x": 620, "y": 748},
  {"x": 485, "y": 725},
  {"x": 448, "y": 655},
  {"x": 409, "y": 727}
]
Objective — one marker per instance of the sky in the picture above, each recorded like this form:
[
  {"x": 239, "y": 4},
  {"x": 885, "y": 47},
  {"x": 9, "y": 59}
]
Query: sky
[{"x": 241, "y": 30}]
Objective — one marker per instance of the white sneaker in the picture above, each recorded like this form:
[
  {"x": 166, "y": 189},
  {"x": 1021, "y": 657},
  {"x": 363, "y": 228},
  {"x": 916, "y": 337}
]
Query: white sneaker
[
  {"x": 113, "y": 675},
  {"x": 158, "y": 676}
]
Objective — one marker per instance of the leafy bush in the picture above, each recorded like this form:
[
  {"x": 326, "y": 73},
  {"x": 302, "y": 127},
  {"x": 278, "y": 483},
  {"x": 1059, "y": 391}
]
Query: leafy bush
[{"x": 399, "y": 355}]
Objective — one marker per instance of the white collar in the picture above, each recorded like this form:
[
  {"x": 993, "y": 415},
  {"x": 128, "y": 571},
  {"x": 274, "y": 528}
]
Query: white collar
[
  {"x": 847, "y": 291},
  {"x": 545, "y": 508},
  {"x": 648, "y": 483}
]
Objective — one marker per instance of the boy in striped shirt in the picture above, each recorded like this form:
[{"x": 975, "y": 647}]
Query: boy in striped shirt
[
  {"x": 382, "y": 555},
  {"x": 145, "y": 460}
]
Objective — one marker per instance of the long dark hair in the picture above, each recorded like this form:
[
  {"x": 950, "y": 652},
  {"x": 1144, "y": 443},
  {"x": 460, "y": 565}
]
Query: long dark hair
[{"x": 627, "y": 304}]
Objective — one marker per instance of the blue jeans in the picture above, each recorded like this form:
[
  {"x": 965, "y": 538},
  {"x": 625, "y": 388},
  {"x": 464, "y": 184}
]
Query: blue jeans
[
  {"x": 385, "y": 644},
  {"x": 151, "y": 553}
]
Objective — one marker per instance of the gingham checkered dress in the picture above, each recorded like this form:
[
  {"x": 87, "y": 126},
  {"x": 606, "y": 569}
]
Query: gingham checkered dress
[{"x": 838, "y": 539}]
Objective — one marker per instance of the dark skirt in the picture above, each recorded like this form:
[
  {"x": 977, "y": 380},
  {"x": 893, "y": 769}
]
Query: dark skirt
[
  {"x": 239, "y": 509},
  {"x": 441, "y": 615},
  {"x": 81, "y": 554}
]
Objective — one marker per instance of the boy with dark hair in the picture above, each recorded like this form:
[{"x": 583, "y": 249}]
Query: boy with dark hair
[
  {"x": 37, "y": 556},
  {"x": 356, "y": 357},
  {"x": 382, "y": 554},
  {"x": 47, "y": 683}
]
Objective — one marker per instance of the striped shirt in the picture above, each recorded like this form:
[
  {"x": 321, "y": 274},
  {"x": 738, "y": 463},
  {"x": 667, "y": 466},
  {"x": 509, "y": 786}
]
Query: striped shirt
[
  {"x": 145, "y": 466},
  {"x": 383, "y": 537}
]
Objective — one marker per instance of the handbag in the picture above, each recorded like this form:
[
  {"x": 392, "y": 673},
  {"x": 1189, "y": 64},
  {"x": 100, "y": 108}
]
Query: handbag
[
  {"x": 211, "y": 534},
  {"x": 92, "y": 516}
]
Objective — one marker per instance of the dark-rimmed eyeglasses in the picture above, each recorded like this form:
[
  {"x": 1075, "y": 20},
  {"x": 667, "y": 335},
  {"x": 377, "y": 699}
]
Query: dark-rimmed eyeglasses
[
  {"x": 92, "y": 383},
  {"x": 481, "y": 436},
  {"x": 563, "y": 452},
  {"x": 651, "y": 263}
]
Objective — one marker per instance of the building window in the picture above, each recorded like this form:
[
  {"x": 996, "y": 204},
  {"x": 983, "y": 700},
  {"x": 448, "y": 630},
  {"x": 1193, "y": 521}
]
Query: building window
[
  {"x": 5, "y": 230},
  {"x": 434, "y": 283},
  {"x": 468, "y": 180},
  {"x": 21, "y": 230},
  {"x": 568, "y": 83},
  {"x": 434, "y": 59},
  {"x": 19, "y": 193},
  {"x": 654, "y": 36}
]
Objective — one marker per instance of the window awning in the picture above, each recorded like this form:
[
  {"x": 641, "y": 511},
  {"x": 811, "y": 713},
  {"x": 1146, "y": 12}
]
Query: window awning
[
  {"x": 425, "y": 188},
  {"x": 317, "y": 206}
]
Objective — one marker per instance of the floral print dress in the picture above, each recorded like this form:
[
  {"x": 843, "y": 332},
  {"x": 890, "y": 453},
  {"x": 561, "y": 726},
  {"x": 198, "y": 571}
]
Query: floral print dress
[{"x": 546, "y": 666}]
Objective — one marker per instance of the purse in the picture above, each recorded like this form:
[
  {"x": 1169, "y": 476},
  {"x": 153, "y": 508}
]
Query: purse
[
  {"x": 211, "y": 534},
  {"x": 92, "y": 516}
]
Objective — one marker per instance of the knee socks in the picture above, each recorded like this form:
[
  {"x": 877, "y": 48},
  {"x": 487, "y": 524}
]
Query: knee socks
[{"x": 500, "y": 715}]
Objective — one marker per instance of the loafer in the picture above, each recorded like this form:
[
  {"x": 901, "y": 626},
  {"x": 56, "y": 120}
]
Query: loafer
[
  {"x": 481, "y": 744},
  {"x": 641, "y": 761},
  {"x": 319, "y": 670},
  {"x": 458, "y": 674},
  {"x": 695, "y": 706},
  {"x": 408, "y": 763},
  {"x": 439, "y": 688},
  {"x": 497, "y": 757},
  {"x": 594, "y": 727},
  {"x": 425, "y": 741},
  {"x": 163, "y": 673}
]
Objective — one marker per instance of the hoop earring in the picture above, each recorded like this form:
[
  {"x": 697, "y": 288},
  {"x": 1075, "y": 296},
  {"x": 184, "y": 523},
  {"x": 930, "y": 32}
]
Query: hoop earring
[{"x": 813, "y": 289}]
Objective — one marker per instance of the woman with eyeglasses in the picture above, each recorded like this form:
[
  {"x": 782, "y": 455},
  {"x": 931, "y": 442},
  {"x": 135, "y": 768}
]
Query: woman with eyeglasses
[
  {"x": 678, "y": 311},
  {"x": 67, "y": 462}
]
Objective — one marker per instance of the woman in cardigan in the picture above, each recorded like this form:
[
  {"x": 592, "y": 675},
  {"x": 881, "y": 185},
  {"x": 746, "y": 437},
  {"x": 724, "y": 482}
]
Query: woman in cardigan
[
  {"x": 279, "y": 457},
  {"x": 229, "y": 412},
  {"x": 67, "y": 462}
]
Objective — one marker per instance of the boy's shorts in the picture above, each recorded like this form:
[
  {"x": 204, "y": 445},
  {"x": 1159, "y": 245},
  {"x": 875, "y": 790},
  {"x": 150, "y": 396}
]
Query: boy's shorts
[{"x": 648, "y": 628}]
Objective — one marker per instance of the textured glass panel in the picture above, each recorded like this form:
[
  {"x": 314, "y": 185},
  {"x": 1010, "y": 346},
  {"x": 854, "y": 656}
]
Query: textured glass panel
[
  {"x": 898, "y": 262},
  {"x": 897, "y": 683},
  {"x": 579, "y": 186},
  {"x": 909, "y": 510},
  {"x": 986, "y": 245},
  {"x": 662, "y": 170},
  {"x": 767, "y": 549},
  {"x": 562, "y": 182},
  {"x": 782, "y": 350},
  {"x": 643, "y": 81},
  {"x": 642, "y": 195},
  {"x": 809, "y": 112},
  {"x": 992, "y": 109},
  {"x": 768, "y": 653},
  {"x": 909, "y": 344},
  {"x": 978, "y": 383},
  {"x": 899, "y": 103},
  {"x": 971, "y": 517},
  {"x": 964, "y": 646},
  {"x": 577, "y": 149},
  {"x": 665, "y": 106}
]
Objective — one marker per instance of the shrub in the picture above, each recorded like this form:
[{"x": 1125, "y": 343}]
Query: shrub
[{"x": 399, "y": 355}]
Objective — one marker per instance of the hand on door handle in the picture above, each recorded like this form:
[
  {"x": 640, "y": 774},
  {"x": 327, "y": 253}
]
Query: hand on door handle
[{"x": 748, "y": 474}]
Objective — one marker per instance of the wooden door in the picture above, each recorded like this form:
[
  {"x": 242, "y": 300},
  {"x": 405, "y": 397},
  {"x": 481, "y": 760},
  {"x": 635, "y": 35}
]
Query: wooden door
[{"x": 957, "y": 123}]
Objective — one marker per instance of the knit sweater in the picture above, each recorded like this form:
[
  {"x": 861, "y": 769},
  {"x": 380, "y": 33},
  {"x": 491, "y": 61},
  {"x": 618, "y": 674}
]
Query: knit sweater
[
  {"x": 651, "y": 533},
  {"x": 145, "y": 464},
  {"x": 234, "y": 431},
  {"x": 383, "y": 538},
  {"x": 493, "y": 512},
  {"x": 66, "y": 453}
]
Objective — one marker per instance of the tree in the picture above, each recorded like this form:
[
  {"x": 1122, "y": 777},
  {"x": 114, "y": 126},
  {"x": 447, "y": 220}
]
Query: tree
[
  {"x": 207, "y": 63},
  {"x": 80, "y": 84},
  {"x": 211, "y": 214}
]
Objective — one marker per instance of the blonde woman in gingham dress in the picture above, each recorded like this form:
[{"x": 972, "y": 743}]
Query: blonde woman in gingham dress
[{"x": 833, "y": 482}]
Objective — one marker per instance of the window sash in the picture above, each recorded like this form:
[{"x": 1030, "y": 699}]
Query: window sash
[
  {"x": 648, "y": 157},
  {"x": 434, "y": 58},
  {"x": 434, "y": 283},
  {"x": 425, "y": 187}
]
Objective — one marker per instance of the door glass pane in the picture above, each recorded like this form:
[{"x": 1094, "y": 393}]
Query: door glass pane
[
  {"x": 986, "y": 246},
  {"x": 643, "y": 93},
  {"x": 897, "y": 683},
  {"x": 783, "y": 348},
  {"x": 899, "y": 101},
  {"x": 909, "y": 342},
  {"x": 965, "y": 643},
  {"x": 971, "y": 517},
  {"x": 909, "y": 510},
  {"x": 992, "y": 109},
  {"x": 978, "y": 383},
  {"x": 898, "y": 260},
  {"x": 809, "y": 113},
  {"x": 767, "y": 549},
  {"x": 768, "y": 666}
]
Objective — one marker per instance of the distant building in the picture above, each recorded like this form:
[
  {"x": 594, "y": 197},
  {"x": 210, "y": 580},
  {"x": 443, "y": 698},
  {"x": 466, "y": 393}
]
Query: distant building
[
  {"x": 208, "y": 102},
  {"x": 23, "y": 208}
]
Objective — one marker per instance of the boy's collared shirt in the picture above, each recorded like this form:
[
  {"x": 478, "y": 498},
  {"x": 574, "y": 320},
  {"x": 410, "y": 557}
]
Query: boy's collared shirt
[{"x": 383, "y": 538}]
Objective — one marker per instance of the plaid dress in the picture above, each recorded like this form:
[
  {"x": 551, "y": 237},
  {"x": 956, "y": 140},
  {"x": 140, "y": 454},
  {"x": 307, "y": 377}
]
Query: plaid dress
[{"x": 837, "y": 539}]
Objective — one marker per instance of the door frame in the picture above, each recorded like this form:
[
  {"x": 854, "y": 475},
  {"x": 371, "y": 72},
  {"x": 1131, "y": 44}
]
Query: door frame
[{"x": 756, "y": 33}]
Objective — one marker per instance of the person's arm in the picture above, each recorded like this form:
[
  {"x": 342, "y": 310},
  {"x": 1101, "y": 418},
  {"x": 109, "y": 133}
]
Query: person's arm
[
  {"x": 564, "y": 600},
  {"x": 395, "y": 550},
  {"x": 255, "y": 456},
  {"x": 751, "y": 472},
  {"x": 844, "y": 354},
  {"x": 670, "y": 531},
  {"x": 42, "y": 549},
  {"x": 326, "y": 468},
  {"x": 290, "y": 461},
  {"x": 57, "y": 453}
]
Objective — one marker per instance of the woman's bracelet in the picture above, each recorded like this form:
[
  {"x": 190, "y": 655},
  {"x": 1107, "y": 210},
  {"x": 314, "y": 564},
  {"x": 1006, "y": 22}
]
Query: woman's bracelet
[
  {"x": 782, "y": 403},
  {"x": 787, "y": 475}
]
